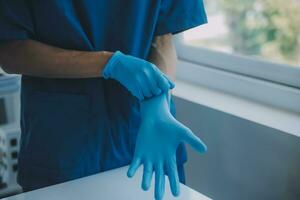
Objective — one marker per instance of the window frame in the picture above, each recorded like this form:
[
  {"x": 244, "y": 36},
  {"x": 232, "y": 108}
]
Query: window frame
[
  {"x": 245, "y": 65},
  {"x": 270, "y": 83}
]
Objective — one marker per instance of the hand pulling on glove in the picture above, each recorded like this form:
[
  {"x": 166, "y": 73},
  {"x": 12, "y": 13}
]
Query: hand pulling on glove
[{"x": 142, "y": 78}]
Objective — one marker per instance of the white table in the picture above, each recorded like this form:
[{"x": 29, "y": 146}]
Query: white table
[{"x": 111, "y": 185}]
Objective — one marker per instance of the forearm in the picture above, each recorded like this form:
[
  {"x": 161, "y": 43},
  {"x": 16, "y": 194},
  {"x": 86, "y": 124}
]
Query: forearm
[
  {"x": 41, "y": 60},
  {"x": 163, "y": 55}
]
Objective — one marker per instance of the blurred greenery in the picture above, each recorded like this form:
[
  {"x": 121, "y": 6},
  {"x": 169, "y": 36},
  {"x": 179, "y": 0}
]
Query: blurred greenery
[{"x": 269, "y": 28}]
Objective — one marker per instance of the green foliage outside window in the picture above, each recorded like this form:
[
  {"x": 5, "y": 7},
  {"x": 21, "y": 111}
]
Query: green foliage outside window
[{"x": 269, "y": 28}]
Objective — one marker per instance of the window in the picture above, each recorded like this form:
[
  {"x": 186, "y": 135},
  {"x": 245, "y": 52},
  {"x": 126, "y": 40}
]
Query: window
[
  {"x": 249, "y": 48},
  {"x": 264, "y": 29},
  {"x": 254, "y": 38}
]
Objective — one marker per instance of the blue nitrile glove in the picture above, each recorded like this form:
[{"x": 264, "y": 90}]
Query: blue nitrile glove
[
  {"x": 142, "y": 78},
  {"x": 157, "y": 141}
]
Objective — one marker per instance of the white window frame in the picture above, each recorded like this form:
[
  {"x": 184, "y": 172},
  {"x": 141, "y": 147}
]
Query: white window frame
[{"x": 259, "y": 80}]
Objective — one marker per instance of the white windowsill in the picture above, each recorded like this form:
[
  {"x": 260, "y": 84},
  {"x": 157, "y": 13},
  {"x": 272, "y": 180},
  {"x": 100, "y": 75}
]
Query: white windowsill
[
  {"x": 272, "y": 117},
  {"x": 266, "y": 92}
]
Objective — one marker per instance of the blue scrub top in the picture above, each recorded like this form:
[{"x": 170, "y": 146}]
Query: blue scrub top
[{"x": 76, "y": 127}]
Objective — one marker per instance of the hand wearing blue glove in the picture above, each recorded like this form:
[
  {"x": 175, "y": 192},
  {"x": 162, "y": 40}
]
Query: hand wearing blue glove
[
  {"x": 142, "y": 78},
  {"x": 157, "y": 141}
]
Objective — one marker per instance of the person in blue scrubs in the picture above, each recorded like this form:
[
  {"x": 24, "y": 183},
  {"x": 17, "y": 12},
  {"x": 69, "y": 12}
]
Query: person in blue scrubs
[{"x": 75, "y": 121}]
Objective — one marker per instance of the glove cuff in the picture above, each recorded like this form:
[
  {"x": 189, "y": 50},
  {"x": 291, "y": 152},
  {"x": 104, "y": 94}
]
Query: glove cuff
[{"x": 109, "y": 68}]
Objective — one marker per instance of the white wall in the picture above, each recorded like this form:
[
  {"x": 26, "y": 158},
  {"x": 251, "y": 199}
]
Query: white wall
[{"x": 244, "y": 161}]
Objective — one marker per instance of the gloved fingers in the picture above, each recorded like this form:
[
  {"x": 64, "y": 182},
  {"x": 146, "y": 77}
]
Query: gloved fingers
[
  {"x": 147, "y": 176},
  {"x": 194, "y": 141},
  {"x": 156, "y": 90},
  {"x": 172, "y": 84},
  {"x": 142, "y": 82},
  {"x": 135, "y": 164},
  {"x": 147, "y": 92},
  {"x": 159, "y": 181},
  {"x": 150, "y": 81},
  {"x": 137, "y": 92},
  {"x": 154, "y": 87},
  {"x": 162, "y": 81},
  {"x": 173, "y": 176},
  {"x": 163, "y": 84}
]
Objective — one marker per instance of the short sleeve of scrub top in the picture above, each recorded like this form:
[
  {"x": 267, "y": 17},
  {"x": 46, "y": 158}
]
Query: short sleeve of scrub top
[
  {"x": 15, "y": 20},
  {"x": 179, "y": 15}
]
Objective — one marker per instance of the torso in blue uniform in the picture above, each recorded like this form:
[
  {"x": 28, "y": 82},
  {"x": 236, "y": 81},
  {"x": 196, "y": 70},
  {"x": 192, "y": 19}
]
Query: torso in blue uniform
[{"x": 76, "y": 127}]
